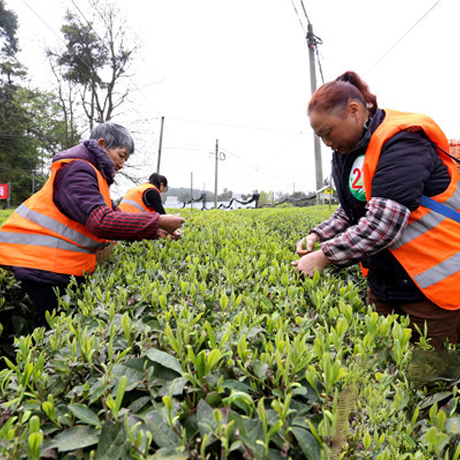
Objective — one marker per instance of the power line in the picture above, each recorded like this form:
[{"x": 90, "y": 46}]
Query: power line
[
  {"x": 298, "y": 17},
  {"x": 102, "y": 41},
  {"x": 196, "y": 149},
  {"x": 234, "y": 125},
  {"x": 313, "y": 41},
  {"x": 402, "y": 37},
  {"x": 305, "y": 11},
  {"x": 71, "y": 49},
  {"x": 89, "y": 24},
  {"x": 255, "y": 167},
  {"x": 54, "y": 33}
]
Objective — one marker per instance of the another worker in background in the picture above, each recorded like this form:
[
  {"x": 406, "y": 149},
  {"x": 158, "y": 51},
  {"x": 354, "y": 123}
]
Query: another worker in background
[
  {"x": 146, "y": 197},
  {"x": 58, "y": 232},
  {"x": 386, "y": 167}
]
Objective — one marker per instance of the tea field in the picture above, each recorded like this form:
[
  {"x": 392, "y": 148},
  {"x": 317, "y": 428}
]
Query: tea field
[{"x": 213, "y": 347}]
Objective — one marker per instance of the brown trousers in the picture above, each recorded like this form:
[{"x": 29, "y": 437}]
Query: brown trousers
[{"x": 441, "y": 324}]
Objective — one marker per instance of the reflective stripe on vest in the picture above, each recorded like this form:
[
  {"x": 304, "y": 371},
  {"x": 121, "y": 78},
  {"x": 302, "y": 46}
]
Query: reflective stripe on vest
[
  {"x": 132, "y": 203},
  {"x": 439, "y": 272},
  {"x": 429, "y": 248},
  {"x": 39, "y": 236},
  {"x": 41, "y": 240},
  {"x": 427, "y": 222},
  {"x": 58, "y": 227}
]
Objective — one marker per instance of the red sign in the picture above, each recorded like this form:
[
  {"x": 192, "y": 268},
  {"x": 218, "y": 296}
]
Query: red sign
[{"x": 4, "y": 191}]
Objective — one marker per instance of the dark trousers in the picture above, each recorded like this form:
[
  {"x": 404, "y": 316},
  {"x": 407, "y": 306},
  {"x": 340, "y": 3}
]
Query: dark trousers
[
  {"x": 441, "y": 324},
  {"x": 44, "y": 297}
]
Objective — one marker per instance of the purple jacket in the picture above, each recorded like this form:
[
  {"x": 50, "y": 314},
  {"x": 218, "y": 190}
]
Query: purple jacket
[
  {"x": 76, "y": 191},
  {"x": 76, "y": 194}
]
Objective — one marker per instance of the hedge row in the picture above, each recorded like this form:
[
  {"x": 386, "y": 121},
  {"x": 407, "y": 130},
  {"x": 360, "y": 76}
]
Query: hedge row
[{"x": 212, "y": 347}]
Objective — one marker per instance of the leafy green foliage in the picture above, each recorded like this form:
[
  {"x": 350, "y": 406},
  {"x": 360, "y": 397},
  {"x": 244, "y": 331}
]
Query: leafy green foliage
[
  {"x": 213, "y": 347},
  {"x": 17, "y": 315},
  {"x": 31, "y": 125}
]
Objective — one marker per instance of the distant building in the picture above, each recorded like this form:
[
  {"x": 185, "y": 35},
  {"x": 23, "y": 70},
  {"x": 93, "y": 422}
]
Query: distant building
[
  {"x": 455, "y": 150},
  {"x": 172, "y": 202},
  {"x": 326, "y": 194}
]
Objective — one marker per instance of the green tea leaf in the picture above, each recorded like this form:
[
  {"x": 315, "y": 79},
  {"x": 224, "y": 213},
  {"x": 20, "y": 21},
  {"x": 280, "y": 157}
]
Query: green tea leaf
[
  {"x": 260, "y": 369},
  {"x": 165, "y": 359},
  {"x": 77, "y": 437},
  {"x": 205, "y": 419},
  {"x": 307, "y": 442},
  {"x": 133, "y": 369},
  {"x": 169, "y": 454},
  {"x": 85, "y": 414},
  {"x": 163, "y": 435},
  {"x": 111, "y": 441}
]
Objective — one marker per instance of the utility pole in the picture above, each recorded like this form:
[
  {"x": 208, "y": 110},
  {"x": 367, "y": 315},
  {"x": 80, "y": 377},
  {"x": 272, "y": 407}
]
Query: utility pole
[
  {"x": 191, "y": 192},
  {"x": 203, "y": 206},
  {"x": 312, "y": 42},
  {"x": 160, "y": 144},
  {"x": 219, "y": 156}
]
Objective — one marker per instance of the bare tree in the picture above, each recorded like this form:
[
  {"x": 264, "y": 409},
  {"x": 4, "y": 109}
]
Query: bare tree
[
  {"x": 95, "y": 60},
  {"x": 65, "y": 94}
]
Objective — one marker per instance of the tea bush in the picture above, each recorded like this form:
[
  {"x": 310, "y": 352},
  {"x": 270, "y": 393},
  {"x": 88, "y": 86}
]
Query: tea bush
[
  {"x": 4, "y": 213},
  {"x": 213, "y": 347},
  {"x": 16, "y": 311}
]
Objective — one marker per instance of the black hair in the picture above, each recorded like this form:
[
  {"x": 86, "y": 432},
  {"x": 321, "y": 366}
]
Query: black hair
[{"x": 157, "y": 179}]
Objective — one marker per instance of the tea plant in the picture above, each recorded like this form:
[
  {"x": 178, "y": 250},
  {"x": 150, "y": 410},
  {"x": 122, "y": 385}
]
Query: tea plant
[{"x": 213, "y": 347}]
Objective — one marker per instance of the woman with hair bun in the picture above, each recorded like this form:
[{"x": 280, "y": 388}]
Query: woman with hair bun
[
  {"x": 146, "y": 197},
  {"x": 396, "y": 184}
]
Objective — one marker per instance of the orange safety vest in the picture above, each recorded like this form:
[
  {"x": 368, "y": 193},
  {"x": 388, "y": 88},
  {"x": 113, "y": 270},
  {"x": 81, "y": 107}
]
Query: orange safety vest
[
  {"x": 133, "y": 202},
  {"x": 37, "y": 235},
  {"x": 429, "y": 248}
]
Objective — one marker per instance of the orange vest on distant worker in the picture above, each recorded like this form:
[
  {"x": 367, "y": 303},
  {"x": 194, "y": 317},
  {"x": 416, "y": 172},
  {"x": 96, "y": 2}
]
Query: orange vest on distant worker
[
  {"x": 133, "y": 202},
  {"x": 429, "y": 248},
  {"x": 37, "y": 235}
]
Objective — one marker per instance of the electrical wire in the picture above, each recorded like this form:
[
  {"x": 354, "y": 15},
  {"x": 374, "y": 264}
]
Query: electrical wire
[
  {"x": 72, "y": 51},
  {"x": 101, "y": 15},
  {"x": 402, "y": 38},
  {"x": 305, "y": 12},
  {"x": 54, "y": 33},
  {"x": 89, "y": 24},
  {"x": 313, "y": 41},
  {"x": 257, "y": 168},
  {"x": 234, "y": 125},
  {"x": 298, "y": 17},
  {"x": 319, "y": 64}
]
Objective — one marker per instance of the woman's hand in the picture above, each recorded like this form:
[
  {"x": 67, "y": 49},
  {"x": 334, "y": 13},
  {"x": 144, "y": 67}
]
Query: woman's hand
[
  {"x": 170, "y": 222},
  {"x": 163, "y": 234},
  {"x": 307, "y": 264},
  {"x": 305, "y": 245},
  {"x": 177, "y": 235}
]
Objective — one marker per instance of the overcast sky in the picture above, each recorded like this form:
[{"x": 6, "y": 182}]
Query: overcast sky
[{"x": 237, "y": 71}]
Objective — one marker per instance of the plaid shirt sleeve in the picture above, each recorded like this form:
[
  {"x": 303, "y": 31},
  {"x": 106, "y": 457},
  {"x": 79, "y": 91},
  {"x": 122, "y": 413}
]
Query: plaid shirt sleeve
[
  {"x": 118, "y": 225},
  {"x": 337, "y": 223},
  {"x": 382, "y": 225}
]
